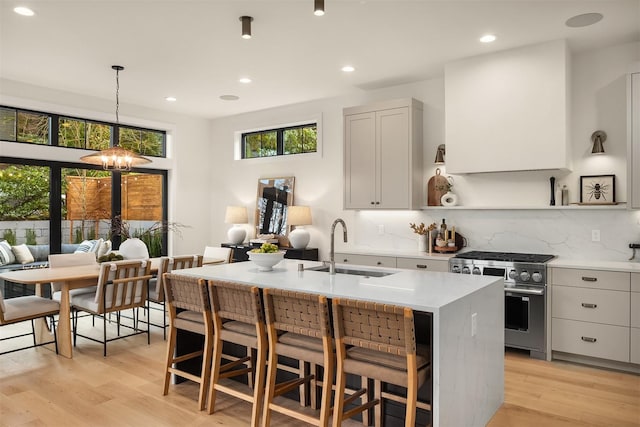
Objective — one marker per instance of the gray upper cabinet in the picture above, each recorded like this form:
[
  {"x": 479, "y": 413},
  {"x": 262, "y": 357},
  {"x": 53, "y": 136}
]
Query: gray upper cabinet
[
  {"x": 508, "y": 111},
  {"x": 633, "y": 172},
  {"x": 383, "y": 155}
]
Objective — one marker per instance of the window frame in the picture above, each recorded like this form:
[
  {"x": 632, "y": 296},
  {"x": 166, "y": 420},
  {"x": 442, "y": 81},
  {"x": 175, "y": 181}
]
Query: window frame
[
  {"x": 279, "y": 139},
  {"x": 54, "y": 122}
]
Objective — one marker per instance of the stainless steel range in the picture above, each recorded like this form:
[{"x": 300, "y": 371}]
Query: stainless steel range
[{"x": 525, "y": 289}]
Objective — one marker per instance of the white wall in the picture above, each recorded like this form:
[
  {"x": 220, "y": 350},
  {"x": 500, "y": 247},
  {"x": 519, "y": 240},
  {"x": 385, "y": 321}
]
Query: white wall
[
  {"x": 598, "y": 102},
  {"x": 189, "y": 150}
]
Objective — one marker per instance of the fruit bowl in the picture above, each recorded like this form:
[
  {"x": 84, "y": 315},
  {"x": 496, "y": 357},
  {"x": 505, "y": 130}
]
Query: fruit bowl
[{"x": 266, "y": 261}]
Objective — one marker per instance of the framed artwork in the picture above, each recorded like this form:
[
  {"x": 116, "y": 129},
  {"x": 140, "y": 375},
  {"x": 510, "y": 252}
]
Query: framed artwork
[{"x": 598, "y": 189}]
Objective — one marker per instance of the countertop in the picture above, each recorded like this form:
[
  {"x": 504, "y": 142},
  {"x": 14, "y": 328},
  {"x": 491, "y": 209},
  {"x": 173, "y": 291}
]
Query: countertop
[
  {"x": 398, "y": 253},
  {"x": 625, "y": 266},
  {"x": 421, "y": 290}
]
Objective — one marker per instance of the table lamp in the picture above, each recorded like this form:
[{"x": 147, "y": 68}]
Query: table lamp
[
  {"x": 236, "y": 215},
  {"x": 299, "y": 216}
]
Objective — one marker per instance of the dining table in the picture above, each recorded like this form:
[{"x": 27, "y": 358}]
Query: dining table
[{"x": 70, "y": 278}]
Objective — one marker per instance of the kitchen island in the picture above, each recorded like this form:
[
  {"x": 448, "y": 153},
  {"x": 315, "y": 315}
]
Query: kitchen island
[{"x": 467, "y": 327}]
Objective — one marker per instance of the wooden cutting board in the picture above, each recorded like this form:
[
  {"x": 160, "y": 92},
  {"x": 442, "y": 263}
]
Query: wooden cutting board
[{"x": 436, "y": 188}]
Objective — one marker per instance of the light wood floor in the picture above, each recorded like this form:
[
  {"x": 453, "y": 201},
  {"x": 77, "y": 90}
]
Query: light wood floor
[{"x": 38, "y": 388}]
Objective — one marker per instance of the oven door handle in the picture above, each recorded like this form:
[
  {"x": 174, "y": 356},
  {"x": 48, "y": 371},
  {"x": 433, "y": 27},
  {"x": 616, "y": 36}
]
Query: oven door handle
[{"x": 525, "y": 291}]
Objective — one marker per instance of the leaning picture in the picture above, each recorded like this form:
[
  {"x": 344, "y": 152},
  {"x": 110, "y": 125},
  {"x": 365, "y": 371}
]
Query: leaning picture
[{"x": 598, "y": 189}]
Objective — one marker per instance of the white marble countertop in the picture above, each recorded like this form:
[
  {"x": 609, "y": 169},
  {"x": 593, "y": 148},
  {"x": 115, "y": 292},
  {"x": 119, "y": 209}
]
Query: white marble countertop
[
  {"x": 625, "y": 266},
  {"x": 421, "y": 290}
]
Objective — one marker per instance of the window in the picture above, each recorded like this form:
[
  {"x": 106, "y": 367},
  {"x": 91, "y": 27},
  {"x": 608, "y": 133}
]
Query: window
[
  {"x": 279, "y": 142},
  {"x": 51, "y": 129}
]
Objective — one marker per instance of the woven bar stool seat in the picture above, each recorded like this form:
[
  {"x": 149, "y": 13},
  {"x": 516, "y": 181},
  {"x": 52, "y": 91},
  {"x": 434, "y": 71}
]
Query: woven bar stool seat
[
  {"x": 238, "y": 318},
  {"x": 188, "y": 294},
  {"x": 378, "y": 341},
  {"x": 299, "y": 327}
]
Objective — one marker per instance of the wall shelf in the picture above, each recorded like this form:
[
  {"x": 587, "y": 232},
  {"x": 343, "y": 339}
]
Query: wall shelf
[{"x": 619, "y": 206}]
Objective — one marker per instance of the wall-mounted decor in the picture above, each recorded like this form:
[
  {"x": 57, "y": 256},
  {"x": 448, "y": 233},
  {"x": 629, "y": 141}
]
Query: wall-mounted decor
[
  {"x": 274, "y": 196},
  {"x": 598, "y": 190}
]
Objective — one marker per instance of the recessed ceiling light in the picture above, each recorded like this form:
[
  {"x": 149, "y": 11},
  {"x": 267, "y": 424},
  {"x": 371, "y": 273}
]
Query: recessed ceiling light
[
  {"x": 229, "y": 97},
  {"x": 24, "y": 11},
  {"x": 348, "y": 69},
  {"x": 170, "y": 99},
  {"x": 245, "y": 80},
  {"x": 583, "y": 20},
  {"x": 488, "y": 38}
]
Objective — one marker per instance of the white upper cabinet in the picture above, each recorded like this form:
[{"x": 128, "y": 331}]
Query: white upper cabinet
[
  {"x": 383, "y": 155},
  {"x": 508, "y": 111},
  {"x": 633, "y": 157}
]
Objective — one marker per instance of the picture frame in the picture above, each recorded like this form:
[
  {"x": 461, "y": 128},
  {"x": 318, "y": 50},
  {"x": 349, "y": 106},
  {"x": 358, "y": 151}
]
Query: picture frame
[{"x": 598, "y": 190}]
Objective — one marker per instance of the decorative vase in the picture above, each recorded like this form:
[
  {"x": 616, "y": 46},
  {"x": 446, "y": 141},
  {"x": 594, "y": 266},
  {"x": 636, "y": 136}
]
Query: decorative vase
[
  {"x": 133, "y": 248},
  {"x": 422, "y": 243},
  {"x": 449, "y": 199}
]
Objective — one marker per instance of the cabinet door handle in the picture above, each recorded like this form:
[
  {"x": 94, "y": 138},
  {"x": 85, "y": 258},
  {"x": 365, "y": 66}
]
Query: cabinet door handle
[
  {"x": 373, "y": 203},
  {"x": 421, "y": 266},
  {"x": 377, "y": 203},
  {"x": 589, "y": 279},
  {"x": 588, "y": 339},
  {"x": 588, "y": 305}
]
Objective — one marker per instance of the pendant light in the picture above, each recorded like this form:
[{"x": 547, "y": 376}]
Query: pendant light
[
  {"x": 116, "y": 158},
  {"x": 246, "y": 26},
  {"x": 318, "y": 7}
]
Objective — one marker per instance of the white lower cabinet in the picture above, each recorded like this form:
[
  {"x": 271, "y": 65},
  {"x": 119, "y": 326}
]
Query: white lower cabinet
[
  {"x": 635, "y": 318},
  {"x": 371, "y": 260},
  {"x": 592, "y": 314},
  {"x": 591, "y": 339},
  {"x": 423, "y": 264}
]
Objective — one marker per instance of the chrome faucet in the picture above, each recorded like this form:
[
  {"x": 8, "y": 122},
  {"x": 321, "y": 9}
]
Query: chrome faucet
[{"x": 332, "y": 262}]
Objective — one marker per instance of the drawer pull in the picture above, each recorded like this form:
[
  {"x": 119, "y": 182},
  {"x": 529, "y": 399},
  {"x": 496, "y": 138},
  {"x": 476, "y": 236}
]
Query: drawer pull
[
  {"x": 587, "y": 305},
  {"x": 379, "y": 263},
  {"x": 588, "y": 339},
  {"x": 589, "y": 279},
  {"x": 345, "y": 260},
  {"x": 421, "y": 266}
]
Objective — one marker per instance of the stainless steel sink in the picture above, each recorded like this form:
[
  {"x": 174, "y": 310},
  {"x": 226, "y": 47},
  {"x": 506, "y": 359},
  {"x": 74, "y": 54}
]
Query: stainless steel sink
[{"x": 355, "y": 272}]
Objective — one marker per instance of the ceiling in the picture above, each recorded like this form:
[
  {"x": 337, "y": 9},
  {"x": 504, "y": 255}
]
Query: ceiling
[{"x": 192, "y": 50}]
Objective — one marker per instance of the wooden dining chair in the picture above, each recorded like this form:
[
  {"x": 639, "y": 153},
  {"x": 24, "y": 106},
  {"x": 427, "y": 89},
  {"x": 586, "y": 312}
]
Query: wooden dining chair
[
  {"x": 298, "y": 327},
  {"x": 72, "y": 260},
  {"x": 238, "y": 318},
  {"x": 189, "y": 310},
  {"x": 121, "y": 285},
  {"x": 156, "y": 284},
  {"x": 21, "y": 309},
  {"x": 378, "y": 341}
]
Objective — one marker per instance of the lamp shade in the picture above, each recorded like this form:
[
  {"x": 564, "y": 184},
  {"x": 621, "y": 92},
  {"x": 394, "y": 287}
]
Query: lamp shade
[
  {"x": 299, "y": 215},
  {"x": 236, "y": 215}
]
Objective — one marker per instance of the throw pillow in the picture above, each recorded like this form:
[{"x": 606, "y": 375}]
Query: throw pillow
[
  {"x": 105, "y": 248},
  {"x": 6, "y": 254},
  {"x": 23, "y": 254},
  {"x": 89, "y": 246}
]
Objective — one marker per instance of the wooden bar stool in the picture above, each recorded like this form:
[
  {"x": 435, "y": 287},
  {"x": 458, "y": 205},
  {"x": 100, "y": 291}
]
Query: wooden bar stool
[
  {"x": 298, "y": 326},
  {"x": 378, "y": 341},
  {"x": 238, "y": 318},
  {"x": 189, "y": 294}
]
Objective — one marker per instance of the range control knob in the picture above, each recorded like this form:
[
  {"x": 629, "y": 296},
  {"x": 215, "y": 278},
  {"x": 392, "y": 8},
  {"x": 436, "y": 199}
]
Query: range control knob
[
  {"x": 455, "y": 269},
  {"x": 513, "y": 275},
  {"x": 524, "y": 275},
  {"x": 465, "y": 270},
  {"x": 476, "y": 270},
  {"x": 536, "y": 276}
]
